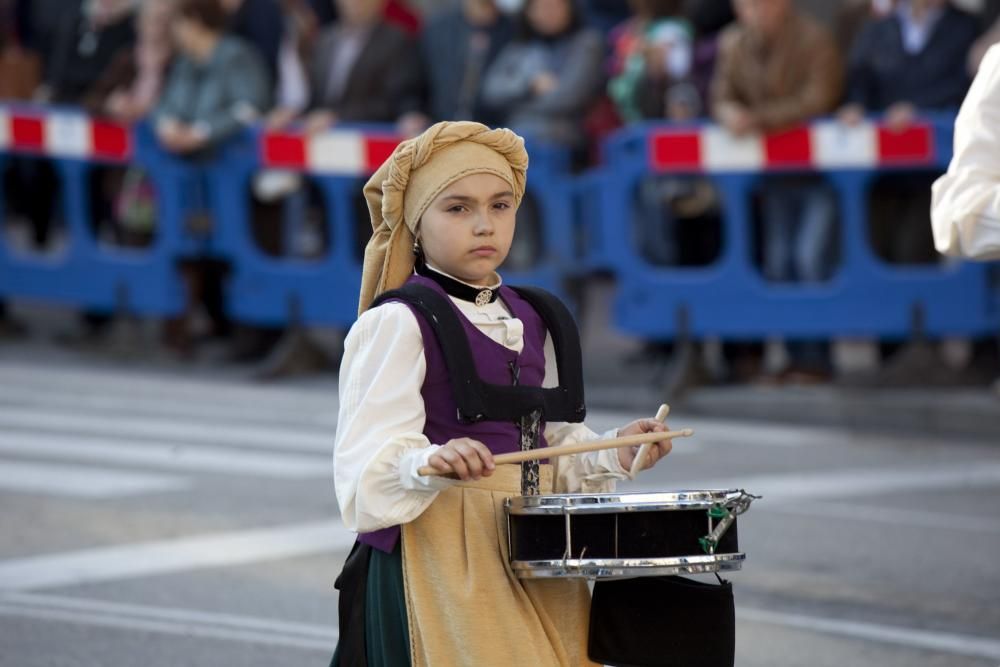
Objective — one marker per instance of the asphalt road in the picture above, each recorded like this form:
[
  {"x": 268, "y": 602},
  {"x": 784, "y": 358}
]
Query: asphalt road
[{"x": 156, "y": 518}]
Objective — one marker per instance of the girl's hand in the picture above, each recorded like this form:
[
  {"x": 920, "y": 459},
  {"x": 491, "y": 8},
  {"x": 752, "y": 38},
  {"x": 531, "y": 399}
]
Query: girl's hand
[
  {"x": 659, "y": 449},
  {"x": 467, "y": 458}
]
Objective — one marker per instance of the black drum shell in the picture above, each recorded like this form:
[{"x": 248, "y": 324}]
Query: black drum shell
[{"x": 640, "y": 534}]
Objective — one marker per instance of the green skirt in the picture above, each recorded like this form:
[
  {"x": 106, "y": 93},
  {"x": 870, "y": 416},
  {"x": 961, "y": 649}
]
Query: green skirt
[{"x": 387, "y": 636}]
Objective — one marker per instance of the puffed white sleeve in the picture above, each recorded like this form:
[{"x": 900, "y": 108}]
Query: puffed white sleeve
[
  {"x": 965, "y": 203},
  {"x": 590, "y": 472},
  {"x": 380, "y": 443}
]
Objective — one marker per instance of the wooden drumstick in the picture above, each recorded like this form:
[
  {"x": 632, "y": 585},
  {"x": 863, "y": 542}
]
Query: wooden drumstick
[
  {"x": 575, "y": 448},
  {"x": 639, "y": 462}
]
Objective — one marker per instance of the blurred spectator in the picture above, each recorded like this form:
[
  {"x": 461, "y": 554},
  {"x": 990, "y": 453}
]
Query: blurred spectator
[
  {"x": 217, "y": 86},
  {"x": 38, "y": 20},
  {"x": 127, "y": 92},
  {"x": 86, "y": 40},
  {"x": 396, "y": 12},
  {"x": 261, "y": 24},
  {"x": 20, "y": 67},
  {"x": 651, "y": 60},
  {"x": 325, "y": 11},
  {"x": 362, "y": 70},
  {"x": 853, "y": 15},
  {"x": 604, "y": 15},
  {"x": 547, "y": 78},
  {"x": 912, "y": 59},
  {"x": 130, "y": 86},
  {"x": 708, "y": 18},
  {"x": 778, "y": 68},
  {"x": 297, "y": 45},
  {"x": 653, "y": 53},
  {"x": 458, "y": 46},
  {"x": 20, "y": 74},
  {"x": 766, "y": 76}
]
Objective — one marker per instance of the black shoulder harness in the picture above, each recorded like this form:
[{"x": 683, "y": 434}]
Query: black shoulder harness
[{"x": 480, "y": 401}]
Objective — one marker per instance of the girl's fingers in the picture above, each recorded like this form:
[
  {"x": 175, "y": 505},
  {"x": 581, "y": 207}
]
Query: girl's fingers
[
  {"x": 470, "y": 457},
  {"x": 438, "y": 463},
  {"x": 456, "y": 462},
  {"x": 485, "y": 456}
]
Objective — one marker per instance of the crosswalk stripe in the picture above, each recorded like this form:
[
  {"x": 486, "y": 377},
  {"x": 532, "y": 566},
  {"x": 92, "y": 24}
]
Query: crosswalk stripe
[
  {"x": 850, "y": 483},
  {"x": 176, "y": 555},
  {"x": 171, "y": 627},
  {"x": 124, "y": 426},
  {"x": 893, "y": 516},
  {"x": 82, "y": 481},
  {"x": 115, "y": 405},
  {"x": 168, "y": 455},
  {"x": 922, "y": 638},
  {"x": 212, "y": 390},
  {"x": 50, "y": 601}
]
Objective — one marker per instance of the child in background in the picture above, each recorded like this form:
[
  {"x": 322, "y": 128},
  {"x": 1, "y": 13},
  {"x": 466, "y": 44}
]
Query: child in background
[{"x": 654, "y": 46}]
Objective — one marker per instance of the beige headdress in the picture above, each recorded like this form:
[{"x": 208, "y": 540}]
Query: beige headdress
[{"x": 413, "y": 176}]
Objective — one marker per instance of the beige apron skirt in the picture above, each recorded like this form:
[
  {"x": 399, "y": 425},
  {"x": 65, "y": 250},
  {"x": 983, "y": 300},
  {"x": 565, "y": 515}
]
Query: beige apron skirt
[{"x": 464, "y": 605}]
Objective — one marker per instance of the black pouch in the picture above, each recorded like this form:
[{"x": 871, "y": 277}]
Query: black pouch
[
  {"x": 352, "y": 584},
  {"x": 662, "y": 622}
]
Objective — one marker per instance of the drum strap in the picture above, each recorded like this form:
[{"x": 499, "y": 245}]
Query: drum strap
[{"x": 481, "y": 401}]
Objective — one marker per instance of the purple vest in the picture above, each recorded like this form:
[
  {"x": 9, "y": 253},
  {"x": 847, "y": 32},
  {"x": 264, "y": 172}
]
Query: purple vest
[{"x": 493, "y": 364}]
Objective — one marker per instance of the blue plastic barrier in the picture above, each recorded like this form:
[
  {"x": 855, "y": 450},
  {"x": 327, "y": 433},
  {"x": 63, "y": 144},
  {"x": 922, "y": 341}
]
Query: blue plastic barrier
[
  {"x": 87, "y": 273},
  {"x": 731, "y": 298},
  {"x": 586, "y": 223}
]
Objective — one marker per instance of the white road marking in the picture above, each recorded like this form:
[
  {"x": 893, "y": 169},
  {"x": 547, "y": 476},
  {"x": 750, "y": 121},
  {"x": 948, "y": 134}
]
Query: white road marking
[
  {"x": 258, "y": 411},
  {"x": 49, "y": 601},
  {"x": 209, "y": 390},
  {"x": 170, "y": 456},
  {"x": 173, "y": 621},
  {"x": 852, "y": 483},
  {"x": 82, "y": 481},
  {"x": 891, "y": 515},
  {"x": 927, "y": 640},
  {"x": 195, "y": 623},
  {"x": 177, "y": 555},
  {"x": 123, "y": 426}
]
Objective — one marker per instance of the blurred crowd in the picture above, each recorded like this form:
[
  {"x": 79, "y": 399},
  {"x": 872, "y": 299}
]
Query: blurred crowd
[{"x": 564, "y": 72}]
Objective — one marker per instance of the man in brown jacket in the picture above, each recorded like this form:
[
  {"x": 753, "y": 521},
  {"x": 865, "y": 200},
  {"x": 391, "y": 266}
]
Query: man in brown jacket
[{"x": 776, "y": 69}]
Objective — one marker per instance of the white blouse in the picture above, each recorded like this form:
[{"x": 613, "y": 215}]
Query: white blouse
[
  {"x": 380, "y": 443},
  {"x": 965, "y": 206}
]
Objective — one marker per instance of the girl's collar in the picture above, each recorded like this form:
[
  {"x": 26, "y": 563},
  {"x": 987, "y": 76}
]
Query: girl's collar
[{"x": 476, "y": 294}]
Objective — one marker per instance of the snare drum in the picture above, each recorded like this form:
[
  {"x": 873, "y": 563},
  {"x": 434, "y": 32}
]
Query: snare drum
[{"x": 600, "y": 536}]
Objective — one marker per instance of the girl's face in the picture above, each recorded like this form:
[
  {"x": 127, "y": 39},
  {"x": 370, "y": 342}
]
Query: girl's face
[
  {"x": 549, "y": 17},
  {"x": 467, "y": 230}
]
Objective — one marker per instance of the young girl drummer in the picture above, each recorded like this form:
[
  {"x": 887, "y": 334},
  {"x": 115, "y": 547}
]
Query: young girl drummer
[{"x": 428, "y": 583}]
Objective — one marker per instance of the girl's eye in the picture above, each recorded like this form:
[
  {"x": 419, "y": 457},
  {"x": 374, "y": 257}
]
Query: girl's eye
[
  {"x": 501, "y": 205},
  {"x": 456, "y": 209}
]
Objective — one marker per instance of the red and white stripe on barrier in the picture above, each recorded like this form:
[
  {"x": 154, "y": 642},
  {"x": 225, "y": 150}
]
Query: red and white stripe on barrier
[
  {"x": 341, "y": 152},
  {"x": 64, "y": 134},
  {"x": 822, "y": 145}
]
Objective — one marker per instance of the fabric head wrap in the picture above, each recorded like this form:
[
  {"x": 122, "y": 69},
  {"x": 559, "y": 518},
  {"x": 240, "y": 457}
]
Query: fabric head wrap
[{"x": 413, "y": 176}]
